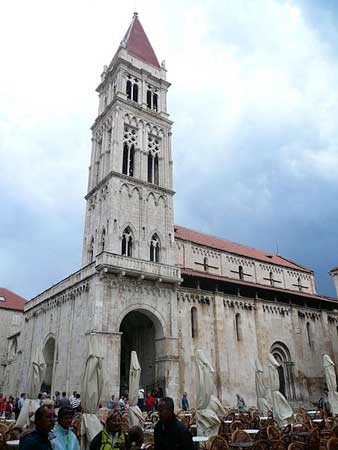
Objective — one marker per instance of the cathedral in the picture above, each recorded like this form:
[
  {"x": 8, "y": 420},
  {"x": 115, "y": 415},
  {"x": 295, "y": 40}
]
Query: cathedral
[{"x": 161, "y": 289}]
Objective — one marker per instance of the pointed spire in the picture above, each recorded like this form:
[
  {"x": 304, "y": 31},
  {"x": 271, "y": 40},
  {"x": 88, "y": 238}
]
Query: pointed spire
[{"x": 137, "y": 43}]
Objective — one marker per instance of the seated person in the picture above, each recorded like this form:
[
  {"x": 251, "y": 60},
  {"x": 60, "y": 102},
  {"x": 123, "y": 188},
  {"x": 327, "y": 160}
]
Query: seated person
[
  {"x": 112, "y": 437},
  {"x": 65, "y": 438},
  {"x": 135, "y": 438}
]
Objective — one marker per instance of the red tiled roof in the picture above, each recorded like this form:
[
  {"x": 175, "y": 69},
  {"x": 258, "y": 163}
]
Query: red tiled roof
[
  {"x": 11, "y": 300},
  {"x": 196, "y": 273},
  {"x": 231, "y": 247},
  {"x": 138, "y": 44}
]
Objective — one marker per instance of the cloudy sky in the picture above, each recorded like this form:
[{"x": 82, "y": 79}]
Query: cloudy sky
[{"x": 254, "y": 99}]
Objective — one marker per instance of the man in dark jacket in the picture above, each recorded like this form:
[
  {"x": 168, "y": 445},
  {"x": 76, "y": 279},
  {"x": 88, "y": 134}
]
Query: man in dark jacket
[
  {"x": 39, "y": 438},
  {"x": 170, "y": 433}
]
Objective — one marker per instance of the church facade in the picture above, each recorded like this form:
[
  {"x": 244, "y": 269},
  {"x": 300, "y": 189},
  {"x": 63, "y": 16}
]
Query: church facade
[{"x": 163, "y": 290}]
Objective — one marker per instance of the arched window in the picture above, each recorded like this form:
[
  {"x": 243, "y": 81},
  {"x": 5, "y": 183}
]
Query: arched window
[
  {"x": 150, "y": 167},
  {"x": 194, "y": 325},
  {"x": 241, "y": 273},
  {"x": 205, "y": 264},
  {"x": 131, "y": 161},
  {"x": 155, "y": 102},
  {"x": 155, "y": 249},
  {"x": 149, "y": 98},
  {"x": 309, "y": 334},
  {"x": 135, "y": 92},
  {"x": 271, "y": 279},
  {"x": 91, "y": 250},
  {"x": 238, "y": 325},
  {"x": 127, "y": 242},
  {"x": 128, "y": 89},
  {"x": 156, "y": 174},
  {"x": 103, "y": 239},
  {"x": 125, "y": 159}
]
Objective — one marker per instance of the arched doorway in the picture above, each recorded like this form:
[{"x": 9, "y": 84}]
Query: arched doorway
[
  {"x": 285, "y": 371},
  {"x": 143, "y": 333},
  {"x": 49, "y": 354}
]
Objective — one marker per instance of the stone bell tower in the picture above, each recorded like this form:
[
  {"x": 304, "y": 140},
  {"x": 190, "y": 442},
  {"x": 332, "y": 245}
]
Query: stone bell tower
[{"x": 129, "y": 208}]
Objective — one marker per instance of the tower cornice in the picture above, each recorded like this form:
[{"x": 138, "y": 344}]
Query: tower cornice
[
  {"x": 133, "y": 107},
  {"x": 133, "y": 180}
]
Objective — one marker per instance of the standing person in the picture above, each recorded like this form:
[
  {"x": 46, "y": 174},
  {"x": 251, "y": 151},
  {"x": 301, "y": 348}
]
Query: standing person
[
  {"x": 76, "y": 403},
  {"x": 64, "y": 400},
  {"x": 57, "y": 398},
  {"x": 324, "y": 402},
  {"x": 111, "y": 402},
  {"x": 150, "y": 402},
  {"x": 16, "y": 408},
  {"x": 185, "y": 403},
  {"x": 122, "y": 403},
  {"x": 112, "y": 437},
  {"x": 140, "y": 401},
  {"x": 2, "y": 403},
  {"x": 22, "y": 400},
  {"x": 39, "y": 438},
  {"x": 72, "y": 397},
  {"x": 240, "y": 403},
  {"x": 9, "y": 407},
  {"x": 65, "y": 439},
  {"x": 170, "y": 433}
]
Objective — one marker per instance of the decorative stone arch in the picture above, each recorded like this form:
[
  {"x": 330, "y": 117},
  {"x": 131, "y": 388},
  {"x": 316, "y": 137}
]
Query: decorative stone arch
[
  {"x": 124, "y": 186},
  {"x": 138, "y": 191},
  {"x": 50, "y": 354},
  {"x": 282, "y": 355},
  {"x": 162, "y": 198},
  {"x": 143, "y": 330}
]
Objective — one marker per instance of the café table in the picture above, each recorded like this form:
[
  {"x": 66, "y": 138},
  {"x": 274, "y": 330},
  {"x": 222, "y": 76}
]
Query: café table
[
  {"x": 198, "y": 440},
  {"x": 251, "y": 431},
  {"x": 13, "y": 444},
  {"x": 241, "y": 444},
  {"x": 227, "y": 421},
  {"x": 317, "y": 420}
]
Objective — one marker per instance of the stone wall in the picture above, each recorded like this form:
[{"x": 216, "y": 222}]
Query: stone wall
[{"x": 11, "y": 323}]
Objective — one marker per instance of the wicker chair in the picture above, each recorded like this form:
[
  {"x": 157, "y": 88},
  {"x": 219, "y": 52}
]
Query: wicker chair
[
  {"x": 273, "y": 433},
  {"x": 237, "y": 425},
  {"x": 261, "y": 444},
  {"x": 278, "y": 445},
  {"x": 261, "y": 435},
  {"x": 217, "y": 443},
  {"x": 240, "y": 436},
  {"x": 297, "y": 446},
  {"x": 332, "y": 444}
]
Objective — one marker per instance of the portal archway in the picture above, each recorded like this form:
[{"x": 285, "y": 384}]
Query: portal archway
[
  {"x": 282, "y": 355},
  {"x": 49, "y": 355},
  {"x": 142, "y": 332}
]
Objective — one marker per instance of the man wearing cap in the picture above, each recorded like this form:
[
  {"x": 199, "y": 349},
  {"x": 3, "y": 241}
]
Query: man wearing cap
[
  {"x": 112, "y": 437},
  {"x": 65, "y": 438}
]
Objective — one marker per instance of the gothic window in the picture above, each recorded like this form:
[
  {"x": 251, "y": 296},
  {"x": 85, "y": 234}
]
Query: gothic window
[
  {"x": 155, "y": 249},
  {"x": 205, "y": 264},
  {"x": 149, "y": 98},
  {"x": 135, "y": 92},
  {"x": 285, "y": 371},
  {"x": 128, "y": 160},
  {"x": 271, "y": 279},
  {"x": 155, "y": 102},
  {"x": 241, "y": 273},
  {"x": 308, "y": 330},
  {"x": 128, "y": 89},
  {"x": 91, "y": 250},
  {"x": 127, "y": 242},
  {"x": 150, "y": 167},
  {"x": 103, "y": 239},
  {"x": 194, "y": 327},
  {"x": 238, "y": 326},
  {"x": 153, "y": 160}
]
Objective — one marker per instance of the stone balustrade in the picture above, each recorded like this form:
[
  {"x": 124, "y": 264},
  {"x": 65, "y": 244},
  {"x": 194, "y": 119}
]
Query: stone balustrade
[{"x": 114, "y": 263}]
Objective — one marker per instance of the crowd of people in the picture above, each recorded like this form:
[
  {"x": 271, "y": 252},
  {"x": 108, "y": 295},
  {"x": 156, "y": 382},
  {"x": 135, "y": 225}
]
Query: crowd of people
[{"x": 52, "y": 423}]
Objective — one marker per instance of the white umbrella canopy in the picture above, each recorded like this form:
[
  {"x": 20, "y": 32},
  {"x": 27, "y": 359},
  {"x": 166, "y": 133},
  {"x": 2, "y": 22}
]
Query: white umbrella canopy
[
  {"x": 331, "y": 381},
  {"x": 282, "y": 411},
  {"x": 37, "y": 373},
  {"x": 35, "y": 378},
  {"x": 263, "y": 403},
  {"x": 208, "y": 406},
  {"x": 91, "y": 388},
  {"x": 135, "y": 416}
]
